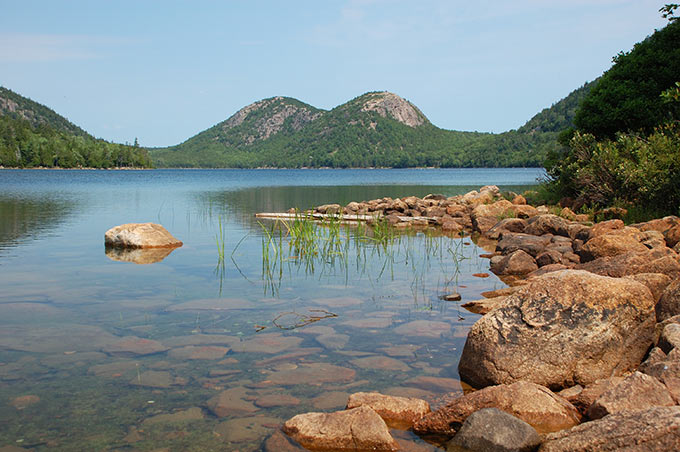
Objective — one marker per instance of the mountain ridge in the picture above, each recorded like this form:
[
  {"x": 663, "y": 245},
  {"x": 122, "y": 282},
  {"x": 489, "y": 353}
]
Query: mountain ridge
[{"x": 377, "y": 128}]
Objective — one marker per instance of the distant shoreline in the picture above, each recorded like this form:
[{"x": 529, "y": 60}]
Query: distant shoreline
[
  {"x": 117, "y": 168},
  {"x": 271, "y": 168}
]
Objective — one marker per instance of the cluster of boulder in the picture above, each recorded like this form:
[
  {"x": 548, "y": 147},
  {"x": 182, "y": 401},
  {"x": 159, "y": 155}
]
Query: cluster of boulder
[
  {"x": 580, "y": 353},
  {"x": 572, "y": 361}
]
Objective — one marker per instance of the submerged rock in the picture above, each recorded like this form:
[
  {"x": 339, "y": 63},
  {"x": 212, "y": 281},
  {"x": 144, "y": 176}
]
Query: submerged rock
[
  {"x": 563, "y": 328},
  {"x": 207, "y": 352},
  {"x": 246, "y": 428},
  {"x": 140, "y": 235},
  {"x": 312, "y": 373},
  {"x": 274, "y": 400},
  {"x": 380, "y": 363},
  {"x": 437, "y": 384},
  {"x": 154, "y": 379},
  {"x": 134, "y": 346},
  {"x": 493, "y": 430},
  {"x": 271, "y": 343},
  {"x": 279, "y": 442},
  {"x": 356, "y": 429},
  {"x": 423, "y": 328},
  {"x": 231, "y": 402},
  {"x": 23, "y": 402},
  {"x": 330, "y": 400},
  {"x": 178, "y": 417}
]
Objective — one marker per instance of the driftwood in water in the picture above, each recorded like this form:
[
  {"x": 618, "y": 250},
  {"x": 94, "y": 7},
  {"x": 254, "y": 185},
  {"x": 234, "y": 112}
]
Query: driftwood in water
[{"x": 343, "y": 218}]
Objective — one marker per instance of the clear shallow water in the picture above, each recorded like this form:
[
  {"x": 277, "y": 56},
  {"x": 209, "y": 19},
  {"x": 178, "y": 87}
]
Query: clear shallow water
[{"x": 372, "y": 312}]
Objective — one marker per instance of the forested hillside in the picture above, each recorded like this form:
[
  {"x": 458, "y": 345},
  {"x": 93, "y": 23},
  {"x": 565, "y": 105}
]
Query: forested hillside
[
  {"x": 377, "y": 129},
  {"x": 32, "y": 135}
]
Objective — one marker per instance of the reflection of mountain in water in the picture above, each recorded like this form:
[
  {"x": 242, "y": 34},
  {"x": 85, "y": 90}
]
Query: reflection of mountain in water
[
  {"x": 22, "y": 219},
  {"x": 245, "y": 203}
]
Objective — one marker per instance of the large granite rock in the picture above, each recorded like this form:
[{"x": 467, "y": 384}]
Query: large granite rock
[
  {"x": 611, "y": 245},
  {"x": 493, "y": 430},
  {"x": 398, "y": 411},
  {"x": 563, "y": 328},
  {"x": 499, "y": 209},
  {"x": 140, "y": 235},
  {"x": 518, "y": 263},
  {"x": 582, "y": 398},
  {"x": 666, "y": 369},
  {"x": 534, "y": 404},
  {"x": 653, "y": 430},
  {"x": 658, "y": 260},
  {"x": 505, "y": 226},
  {"x": 636, "y": 392},
  {"x": 530, "y": 244},
  {"x": 669, "y": 303},
  {"x": 548, "y": 224},
  {"x": 668, "y": 226},
  {"x": 655, "y": 282},
  {"x": 356, "y": 429},
  {"x": 669, "y": 337}
]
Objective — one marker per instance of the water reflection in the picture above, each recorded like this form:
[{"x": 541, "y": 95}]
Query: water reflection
[
  {"x": 23, "y": 219},
  {"x": 138, "y": 255}
]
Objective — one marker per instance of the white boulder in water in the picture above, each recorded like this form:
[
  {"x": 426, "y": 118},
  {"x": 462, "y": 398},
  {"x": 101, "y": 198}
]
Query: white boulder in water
[{"x": 140, "y": 235}]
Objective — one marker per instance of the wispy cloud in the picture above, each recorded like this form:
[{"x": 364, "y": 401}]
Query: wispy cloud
[{"x": 24, "y": 47}]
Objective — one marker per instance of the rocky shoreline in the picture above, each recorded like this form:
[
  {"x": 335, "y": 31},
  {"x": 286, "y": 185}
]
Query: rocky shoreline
[{"x": 580, "y": 353}]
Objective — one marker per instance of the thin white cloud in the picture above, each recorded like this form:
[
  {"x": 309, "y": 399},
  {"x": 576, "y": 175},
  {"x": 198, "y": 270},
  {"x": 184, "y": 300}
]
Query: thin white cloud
[{"x": 24, "y": 47}]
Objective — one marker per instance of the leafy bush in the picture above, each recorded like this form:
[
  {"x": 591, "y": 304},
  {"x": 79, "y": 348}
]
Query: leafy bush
[{"x": 631, "y": 169}]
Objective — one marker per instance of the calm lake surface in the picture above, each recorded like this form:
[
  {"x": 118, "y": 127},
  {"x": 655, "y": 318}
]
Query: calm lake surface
[{"x": 101, "y": 354}]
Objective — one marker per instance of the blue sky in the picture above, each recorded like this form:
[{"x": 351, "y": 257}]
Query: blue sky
[{"x": 163, "y": 71}]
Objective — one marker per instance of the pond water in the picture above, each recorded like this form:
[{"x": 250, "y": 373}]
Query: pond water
[{"x": 217, "y": 343}]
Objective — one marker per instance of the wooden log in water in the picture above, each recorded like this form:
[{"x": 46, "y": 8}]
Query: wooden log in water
[{"x": 343, "y": 218}]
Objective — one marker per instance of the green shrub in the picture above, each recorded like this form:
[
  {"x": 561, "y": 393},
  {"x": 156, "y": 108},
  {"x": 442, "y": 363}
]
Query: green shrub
[{"x": 632, "y": 169}]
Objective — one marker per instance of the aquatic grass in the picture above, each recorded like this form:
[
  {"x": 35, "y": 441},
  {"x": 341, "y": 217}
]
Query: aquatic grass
[
  {"x": 220, "y": 241},
  {"x": 271, "y": 258},
  {"x": 328, "y": 247}
]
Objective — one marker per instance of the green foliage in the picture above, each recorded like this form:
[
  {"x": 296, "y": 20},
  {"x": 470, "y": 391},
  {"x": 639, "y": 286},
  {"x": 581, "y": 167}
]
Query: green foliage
[
  {"x": 632, "y": 169},
  {"x": 668, "y": 11},
  {"x": 627, "y": 97},
  {"x": 25, "y": 146},
  {"x": 32, "y": 135}
]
